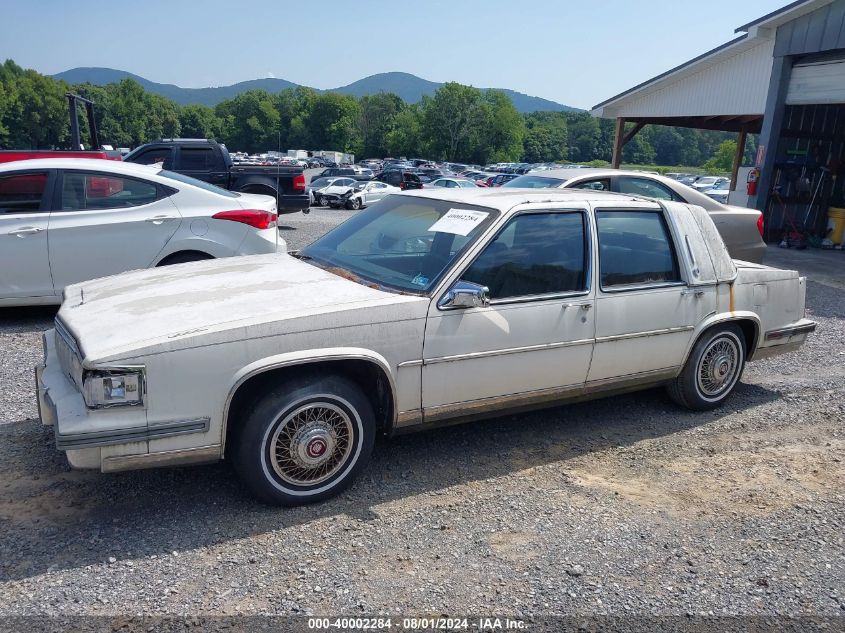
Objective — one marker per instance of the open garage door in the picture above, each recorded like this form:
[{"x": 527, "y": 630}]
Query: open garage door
[{"x": 821, "y": 82}]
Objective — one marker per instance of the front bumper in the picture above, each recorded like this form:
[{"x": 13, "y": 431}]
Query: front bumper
[{"x": 109, "y": 439}]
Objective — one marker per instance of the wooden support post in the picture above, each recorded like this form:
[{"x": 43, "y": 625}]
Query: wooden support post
[
  {"x": 622, "y": 139},
  {"x": 633, "y": 132},
  {"x": 618, "y": 142},
  {"x": 740, "y": 152}
]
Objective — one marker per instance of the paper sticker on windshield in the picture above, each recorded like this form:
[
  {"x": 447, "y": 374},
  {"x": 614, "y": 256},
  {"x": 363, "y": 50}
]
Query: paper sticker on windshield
[
  {"x": 419, "y": 280},
  {"x": 458, "y": 221}
]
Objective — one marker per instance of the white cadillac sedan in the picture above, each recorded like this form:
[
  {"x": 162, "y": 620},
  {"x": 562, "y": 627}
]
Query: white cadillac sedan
[
  {"x": 66, "y": 220},
  {"x": 423, "y": 309}
]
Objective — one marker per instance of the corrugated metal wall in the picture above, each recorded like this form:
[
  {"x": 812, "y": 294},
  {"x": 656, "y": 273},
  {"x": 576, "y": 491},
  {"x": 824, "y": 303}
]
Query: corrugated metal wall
[
  {"x": 737, "y": 84},
  {"x": 823, "y": 29}
]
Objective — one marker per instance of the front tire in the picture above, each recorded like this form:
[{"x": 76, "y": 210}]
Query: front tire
[
  {"x": 712, "y": 370},
  {"x": 324, "y": 202},
  {"x": 353, "y": 204},
  {"x": 305, "y": 441}
]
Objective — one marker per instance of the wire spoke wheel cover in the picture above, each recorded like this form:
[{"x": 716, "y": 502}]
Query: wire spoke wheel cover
[
  {"x": 311, "y": 444},
  {"x": 718, "y": 366}
]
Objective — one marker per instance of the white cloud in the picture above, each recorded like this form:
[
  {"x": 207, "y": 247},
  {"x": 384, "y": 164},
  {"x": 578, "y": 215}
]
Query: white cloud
[{"x": 270, "y": 75}]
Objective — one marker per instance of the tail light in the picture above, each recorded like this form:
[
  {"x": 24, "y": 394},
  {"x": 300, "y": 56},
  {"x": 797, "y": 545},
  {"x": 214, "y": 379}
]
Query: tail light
[
  {"x": 402, "y": 185},
  {"x": 255, "y": 218},
  {"x": 299, "y": 182},
  {"x": 760, "y": 225}
]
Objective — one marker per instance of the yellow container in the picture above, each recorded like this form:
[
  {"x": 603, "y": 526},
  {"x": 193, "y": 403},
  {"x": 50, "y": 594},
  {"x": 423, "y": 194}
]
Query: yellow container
[{"x": 835, "y": 224}]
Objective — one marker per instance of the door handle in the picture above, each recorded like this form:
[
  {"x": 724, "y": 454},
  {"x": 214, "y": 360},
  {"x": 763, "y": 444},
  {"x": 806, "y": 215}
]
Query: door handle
[
  {"x": 583, "y": 306},
  {"x": 695, "y": 293},
  {"x": 26, "y": 230},
  {"x": 158, "y": 219}
]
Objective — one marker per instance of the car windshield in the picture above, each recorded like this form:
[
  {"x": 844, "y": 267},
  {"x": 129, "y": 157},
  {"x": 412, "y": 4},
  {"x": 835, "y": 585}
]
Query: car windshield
[
  {"x": 198, "y": 183},
  {"x": 322, "y": 182},
  {"x": 534, "y": 182},
  {"x": 402, "y": 243}
]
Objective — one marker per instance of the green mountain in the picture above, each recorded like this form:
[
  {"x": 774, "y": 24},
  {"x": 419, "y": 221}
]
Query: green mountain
[{"x": 410, "y": 87}]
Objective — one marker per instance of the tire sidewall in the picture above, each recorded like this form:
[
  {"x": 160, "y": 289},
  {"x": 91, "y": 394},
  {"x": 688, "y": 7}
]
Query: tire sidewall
[
  {"x": 249, "y": 454},
  {"x": 305, "y": 492},
  {"x": 700, "y": 350}
]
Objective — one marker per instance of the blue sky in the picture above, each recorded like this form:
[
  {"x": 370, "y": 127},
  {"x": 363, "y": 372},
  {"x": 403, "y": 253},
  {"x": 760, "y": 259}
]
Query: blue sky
[{"x": 577, "y": 53}]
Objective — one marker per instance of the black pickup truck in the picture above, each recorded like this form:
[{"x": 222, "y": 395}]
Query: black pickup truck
[{"x": 210, "y": 161}]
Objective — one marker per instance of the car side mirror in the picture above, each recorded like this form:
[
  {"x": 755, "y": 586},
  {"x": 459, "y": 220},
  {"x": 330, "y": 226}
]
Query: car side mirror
[{"x": 465, "y": 294}]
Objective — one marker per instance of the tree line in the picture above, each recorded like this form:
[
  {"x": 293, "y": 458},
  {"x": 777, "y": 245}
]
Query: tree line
[{"x": 458, "y": 123}]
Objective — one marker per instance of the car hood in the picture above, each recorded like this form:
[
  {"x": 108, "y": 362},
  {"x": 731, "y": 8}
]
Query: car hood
[{"x": 175, "y": 307}]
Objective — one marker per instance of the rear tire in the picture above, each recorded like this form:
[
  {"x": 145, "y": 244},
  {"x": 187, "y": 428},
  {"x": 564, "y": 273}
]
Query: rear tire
[
  {"x": 712, "y": 370},
  {"x": 305, "y": 441},
  {"x": 184, "y": 258}
]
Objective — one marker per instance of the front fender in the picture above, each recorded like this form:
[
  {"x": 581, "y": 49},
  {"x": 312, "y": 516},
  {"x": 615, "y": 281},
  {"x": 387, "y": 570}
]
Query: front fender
[{"x": 307, "y": 357}]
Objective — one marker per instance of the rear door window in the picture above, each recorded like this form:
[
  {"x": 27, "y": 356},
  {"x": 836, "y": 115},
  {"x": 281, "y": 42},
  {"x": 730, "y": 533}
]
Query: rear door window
[
  {"x": 645, "y": 187},
  {"x": 22, "y": 193},
  {"x": 635, "y": 249},
  {"x": 105, "y": 191}
]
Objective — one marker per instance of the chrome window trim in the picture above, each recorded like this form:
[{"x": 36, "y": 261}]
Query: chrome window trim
[
  {"x": 588, "y": 247},
  {"x": 654, "y": 286},
  {"x": 545, "y": 297}
]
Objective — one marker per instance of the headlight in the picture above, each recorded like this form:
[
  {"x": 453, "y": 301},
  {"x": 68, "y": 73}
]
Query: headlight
[{"x": 113, "y": 388}]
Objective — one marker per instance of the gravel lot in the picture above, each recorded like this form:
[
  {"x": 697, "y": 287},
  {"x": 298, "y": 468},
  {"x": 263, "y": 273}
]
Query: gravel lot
[{"x": 621, "y": 506}]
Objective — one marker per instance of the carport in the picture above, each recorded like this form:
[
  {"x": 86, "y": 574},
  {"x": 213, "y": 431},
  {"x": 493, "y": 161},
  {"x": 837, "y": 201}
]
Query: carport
[
  {"x": 784, "y": 78},
  {"x": 724, "y": 89}
]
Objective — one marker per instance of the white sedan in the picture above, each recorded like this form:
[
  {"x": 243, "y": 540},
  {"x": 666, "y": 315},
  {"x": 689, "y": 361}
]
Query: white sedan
[
  {"x": 453, "y": 183},
  {"x": 366, "y": 193},
  {"x": 66, "y": 220},
  {"x": 426, "y": 308},
  {"x": 336, "y": 187}
]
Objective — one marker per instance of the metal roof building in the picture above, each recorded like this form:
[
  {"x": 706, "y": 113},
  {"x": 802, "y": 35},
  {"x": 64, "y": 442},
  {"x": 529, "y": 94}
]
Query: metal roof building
[{"x": 783, "y": 77}]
